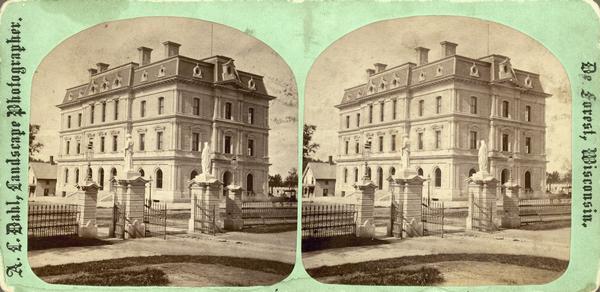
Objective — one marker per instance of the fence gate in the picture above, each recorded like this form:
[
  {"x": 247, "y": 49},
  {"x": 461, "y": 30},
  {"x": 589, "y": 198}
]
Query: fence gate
[
  {"x": 206, "y": 217},
  {"x": 322, "y": 221},
  {"x": 432, "y": 217},
  {"x": 118, "y": 222},
  {"x": 155, "y": 218},
  {"x": 397, "y": 218},
  {"x": 481, "y": 218}
]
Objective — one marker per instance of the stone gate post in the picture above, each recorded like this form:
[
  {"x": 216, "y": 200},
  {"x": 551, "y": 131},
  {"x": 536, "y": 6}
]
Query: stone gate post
[
  {"x": 131, "y": 192},
  {"x": 410, "y": 192},
  {"x": 482, "y": 201},
  {"x": 510, "y": 202},
  {"x": 87, "y": 197},
  {"x": 233, "y": 208},
  {"x": 365, "y": 223},
  {"x": 205, "y": 190}
]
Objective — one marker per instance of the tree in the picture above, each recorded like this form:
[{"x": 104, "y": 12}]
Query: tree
[
  {"x": 553, "y": 177},
  {"x": 308, "y": 147},
  {"x": 275, "y": 181},
  {"x": 292, "y": 179},
  {"x": 34, "y": 145},
  {"x": 566, "y": 177}
]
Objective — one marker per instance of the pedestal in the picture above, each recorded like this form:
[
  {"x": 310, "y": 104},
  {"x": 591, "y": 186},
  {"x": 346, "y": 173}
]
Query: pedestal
[
  {"x": 409, "y": 187},
  {"x": 233, "y": 209},
  {"x": 365, "y": 222},
  {"x": 204, "y": 213},
  {"x": 510, "y": 201},
  {"x": 131, "y": 192},
  {"x": 483, "y": 208},
  {"x": 87, "y": 197}
]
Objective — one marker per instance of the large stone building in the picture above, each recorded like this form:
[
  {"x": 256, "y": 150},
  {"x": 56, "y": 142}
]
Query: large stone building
[
  {"x": 170, "y": 106},
  {"x": 445, "y": 107}
]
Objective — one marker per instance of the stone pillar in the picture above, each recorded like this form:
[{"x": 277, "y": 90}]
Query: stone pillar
[
  {"x": 365, "y": 222},
  {"x": 131, "y": 192},
  {"x": 194, "y": 191},
  {"x": 87, "y": 197},
  {"x": 233, "y": 209},
  {"x": 410, "y": 192},
  {"x": 510, "y": 201},
  {"x": 205, "y": 192},
  {"x": 482, "y": 192}
]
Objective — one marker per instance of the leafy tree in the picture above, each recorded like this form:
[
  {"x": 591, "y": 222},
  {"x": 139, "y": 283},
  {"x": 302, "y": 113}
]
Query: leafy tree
[
  {"x": 308, "y": 147},
  {"x": 552, "y": 177},
  {"x": 292, "y": 179},
  {"x": 275, "y": 181},
  {"x": 566, "y": 177},
  {"x": 34, "y": 145}
]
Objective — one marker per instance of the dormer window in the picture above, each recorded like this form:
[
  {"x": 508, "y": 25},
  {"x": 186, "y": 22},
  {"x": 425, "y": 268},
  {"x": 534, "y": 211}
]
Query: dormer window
[
  {"x": 382, "y": 85},
  {"x": 395, "y": 82},
  {"x": 105, "y": 85},
  {"x": 422, "y": 76},
  {"x": 528, "y": 82},
  {"x": 93, "y": 88},
  {"x": 474, "y": 71},
  {"x": 371, "y": 89},
  {"x": 251, "y": 84},
  {"x": 117, "y": 82},
  {"x": 161, "y": 71},
  {"x": 439, "y": 70},
  {"x": 81, "y": 93},
  {"x": 144, "y": 76},
  {"x": 229, "y": 70},
  {"x": 197, "y": 72}
]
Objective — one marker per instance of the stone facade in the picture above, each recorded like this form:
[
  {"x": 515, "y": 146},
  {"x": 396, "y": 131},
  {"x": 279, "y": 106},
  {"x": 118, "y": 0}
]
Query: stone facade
[
  {"x": 444, "y": 107},
  {"x": 170, "y": 107}
]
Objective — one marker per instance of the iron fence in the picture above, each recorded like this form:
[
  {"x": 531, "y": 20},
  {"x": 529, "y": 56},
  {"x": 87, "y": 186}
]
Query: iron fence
[
  {"x": 155, "y": 218},
  {"x": 267, "y": 213},
  {"x": 48, "y": 220},
  {"x": 432, "y": 217},
  {"x": 320, "y": 221},
  {"x": 544, "y": 210}
]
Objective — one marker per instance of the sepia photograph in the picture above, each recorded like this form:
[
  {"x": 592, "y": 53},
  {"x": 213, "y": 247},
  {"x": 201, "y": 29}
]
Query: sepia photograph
[
  {"x": 163, "y": 153},
  {"x": 436, "y": 151}
]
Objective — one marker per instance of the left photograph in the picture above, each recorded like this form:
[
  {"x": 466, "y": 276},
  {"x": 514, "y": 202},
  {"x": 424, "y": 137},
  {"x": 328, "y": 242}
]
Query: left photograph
[{"x": 162, "y": 153}]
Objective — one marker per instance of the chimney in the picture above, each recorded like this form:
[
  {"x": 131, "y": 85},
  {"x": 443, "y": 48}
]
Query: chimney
[
  {"x": 379, "y": 67},
  {"x": 101, "y": 67},
  {"x": 92, "y": 71},
  {"x": 51, "y": 159},
  {"x": 370, "y": 72},
  {"x": 330, "y": 160},
  {"x": 448, "y": 49},
  {"x": 422, "y": 55},
  {"x": 145, "y": 55},
  {"x": 171, "y": 49}
]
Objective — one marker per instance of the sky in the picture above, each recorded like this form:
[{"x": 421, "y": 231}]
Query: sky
[
  {"x": 116, "y": 43},
  {"x": 342, "y": 65}
]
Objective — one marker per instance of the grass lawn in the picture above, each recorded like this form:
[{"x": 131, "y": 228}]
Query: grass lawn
[
  {"x": 392, "y": 272},
  {"x": 338, "y": 242},
  {"x": 123, "y": 270},
  {"x": 63, "y": 241}
]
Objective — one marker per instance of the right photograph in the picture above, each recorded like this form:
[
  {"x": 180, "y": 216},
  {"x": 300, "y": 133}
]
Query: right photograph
[{"x": 436, "y": 152}]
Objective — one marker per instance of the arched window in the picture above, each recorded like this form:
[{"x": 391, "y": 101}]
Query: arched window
[
  {"x": 528, "y": 180},
  {"x": 159, "y": 179},
  {"x": 76, "y": 175},
  {"x": 193, "y": 174},
  {"x": 66, "y": 175},
  {"x": 472, "y": 172},
  {"x": 504, "y": 176},
  {"x": 379, "y": 178},
  {"x": 355, "y": 174},
  {"x": 250, "y": 183},
  {"x": 345, "y": 175},
  {"x": 101, "y": 177},
  {"x": 368, "y": 172},
  {"x": 88, "y": 173},
  {"x": 392, "y": 171},
  {"x": 142, "y": 173},
  {"x": 420, "y": 171},
  {"x": 438, "y": 178},
  {"x": 113, "y": 173}
]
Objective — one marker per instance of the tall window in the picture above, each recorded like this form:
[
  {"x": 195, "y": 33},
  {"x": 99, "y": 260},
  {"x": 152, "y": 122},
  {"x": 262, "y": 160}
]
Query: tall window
[
  {"x": 250, "y": 183},
  {"x": 347, "y": 122},
  {"x": 505, "y": 142},
  {"x": 380, "y": 143},
  {"x": 66, "y": 175},
  {"x": 195, "y": 141},
  {"x": 346, "y": 145},
  {"x": 159, "y": 179},
  {"x": 473, "y": 105},
  {"x": 79, "y": 120},
  {"x": 68, "y": 147},
  {"x": 250, "y": 147},
  {"x": 227, "y": 145},
  {"x": 473, "y": 140},
  {"x": 116, "y": 111},
  {"x": 251, "y": 116},
  {"x": 355, "y": 174},
  {"x": 159, "y": 140},
  {"x": 114, "y": 143},
  {"x": 393, "y": 143},
  {"x": 102, "y": 144},
  {"x": 438, "y": 104},
  {"x": 528, "y": 113},
  {"x": 101, "y": 178},
  {"x": 381, "y": 111},
  {"x": 92, "y": 110},
  {"x": 380, "y": 178},
  {"x": 528, "y": 145},
  {"x": 161, "y": 105},
  {"x": 394, "y": 108},
  {"x": 505, "y": 106},
  {"x": 356, "y": 148},
  {"x": 420, "y": 140},
  {"x": 69, "y": 122},
  {"x": 345, "y": 175},
  {"x": 438, "y": 139},
  {"x": 438, "y": 178},
  {"x": 370, "y": 113},
  {"x": 78, "y": 147},
  {"x": 357, "y": 120},
  {"x": 196, "y": 106},
  {"x": 421, "y": 107},
  {"x": 104, "y": 112},
  {"x": 228, "y": 107},
  {"x": 142, "y": 142},
  {"x": 143, "y": 108},
  {"x": 76, "y": 175}
]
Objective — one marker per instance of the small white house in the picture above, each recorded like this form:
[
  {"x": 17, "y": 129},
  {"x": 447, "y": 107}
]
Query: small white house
[
  {"x": 318, "y": 179},
  {"x": 42, "y": 178}
]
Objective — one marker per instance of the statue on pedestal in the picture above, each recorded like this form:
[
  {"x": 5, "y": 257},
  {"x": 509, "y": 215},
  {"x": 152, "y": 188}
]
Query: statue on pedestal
[
  {"x": 206, "y": 163},
  {"x": 405, "y": 151},
  {"x": 483, "y": 157},
  {"x": 128, "y": 165}
]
